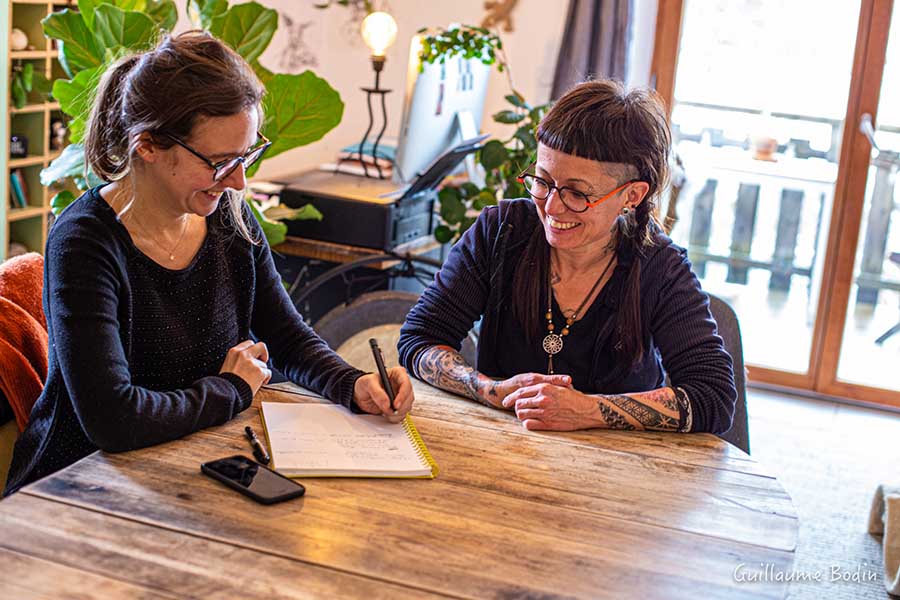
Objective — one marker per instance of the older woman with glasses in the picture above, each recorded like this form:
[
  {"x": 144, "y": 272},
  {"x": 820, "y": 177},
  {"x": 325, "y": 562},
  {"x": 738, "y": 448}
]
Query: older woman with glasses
[
  {"x": 156, "y": 281},
  {"x": 590, "y": 315}
]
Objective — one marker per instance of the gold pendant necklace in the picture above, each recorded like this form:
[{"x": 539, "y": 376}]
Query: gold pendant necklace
[
  {"x": 553, "y": 342},
  {"x": 170, "y": 252}
]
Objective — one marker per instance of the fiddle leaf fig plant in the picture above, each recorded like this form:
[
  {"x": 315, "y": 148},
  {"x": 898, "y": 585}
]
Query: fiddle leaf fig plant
[
  {"x": 503, "y": 160},
  {"x": 299, "y": 108}
]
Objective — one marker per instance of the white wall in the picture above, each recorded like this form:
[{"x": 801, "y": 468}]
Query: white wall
[{"x": 343, "y": 60}]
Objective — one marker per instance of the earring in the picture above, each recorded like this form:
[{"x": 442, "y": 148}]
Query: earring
[{"x": 626, "y": 210}]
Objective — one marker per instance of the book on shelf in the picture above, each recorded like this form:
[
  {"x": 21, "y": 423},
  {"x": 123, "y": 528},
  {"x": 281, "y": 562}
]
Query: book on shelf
[{"x": 18, "y": 188}]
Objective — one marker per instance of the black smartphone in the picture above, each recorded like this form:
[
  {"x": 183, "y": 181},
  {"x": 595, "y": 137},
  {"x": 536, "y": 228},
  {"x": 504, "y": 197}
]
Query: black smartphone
[{"x": 253, "y": 479}]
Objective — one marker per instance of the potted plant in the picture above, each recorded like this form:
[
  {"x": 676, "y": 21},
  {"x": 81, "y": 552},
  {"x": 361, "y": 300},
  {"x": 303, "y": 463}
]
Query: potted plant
[{"x": 299, "y": 109}]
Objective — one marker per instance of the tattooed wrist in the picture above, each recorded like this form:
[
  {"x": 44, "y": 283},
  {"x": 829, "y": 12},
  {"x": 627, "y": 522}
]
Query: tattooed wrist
[
  {"x": 656, "y": 410},
  {"x": 444, "y": 367}
]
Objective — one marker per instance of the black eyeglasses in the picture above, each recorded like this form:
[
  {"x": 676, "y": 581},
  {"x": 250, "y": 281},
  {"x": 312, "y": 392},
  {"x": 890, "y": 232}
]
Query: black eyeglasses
[
  {"x": 224, "y": 168},
  {"x": 578, "y": 202}
]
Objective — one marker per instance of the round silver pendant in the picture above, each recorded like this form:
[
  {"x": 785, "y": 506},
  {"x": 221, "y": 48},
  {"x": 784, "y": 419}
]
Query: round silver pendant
[{"x": 553, "y": 343}]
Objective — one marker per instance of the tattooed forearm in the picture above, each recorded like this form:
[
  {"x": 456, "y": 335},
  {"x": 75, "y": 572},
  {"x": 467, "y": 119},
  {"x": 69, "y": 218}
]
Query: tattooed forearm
[
  {"x": 444, "y": 367},
  {"x": 655, "y": 410}
]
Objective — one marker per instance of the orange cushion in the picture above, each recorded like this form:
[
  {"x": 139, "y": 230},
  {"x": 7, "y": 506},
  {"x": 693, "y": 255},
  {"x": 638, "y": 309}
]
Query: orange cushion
[{"x": 22, "y": 281}]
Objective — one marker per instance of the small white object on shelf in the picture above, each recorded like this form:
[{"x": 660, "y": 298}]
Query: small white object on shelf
[{"x": 17, "y": 39}]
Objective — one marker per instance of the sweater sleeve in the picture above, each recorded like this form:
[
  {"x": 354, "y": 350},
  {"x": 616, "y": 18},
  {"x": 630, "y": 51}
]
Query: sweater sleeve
[
  {"x": 456, "y": 298},
  {"x": 84, "y": 277},
  {"x": 692, "y": 352},
  {"x": 296, "y": 350}
]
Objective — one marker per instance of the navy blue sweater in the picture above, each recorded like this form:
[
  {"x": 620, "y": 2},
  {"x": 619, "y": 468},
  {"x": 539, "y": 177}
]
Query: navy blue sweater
[
  {"x": 135, "y": 348},
  {"x": 476, "y": 282}
]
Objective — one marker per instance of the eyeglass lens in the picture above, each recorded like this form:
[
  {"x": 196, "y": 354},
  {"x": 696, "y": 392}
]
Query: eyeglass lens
[
  {"x": 229, "y": 167},
  {"x": 540, "y": 189}
]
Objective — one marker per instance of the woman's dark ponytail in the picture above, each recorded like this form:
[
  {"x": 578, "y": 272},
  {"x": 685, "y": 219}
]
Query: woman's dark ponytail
[{"x": 106, "y": 141}]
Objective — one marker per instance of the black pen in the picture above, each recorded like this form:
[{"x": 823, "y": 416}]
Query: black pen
[
  {"x": 259, "y": 451},
  {"x": 379, "y": 362}
]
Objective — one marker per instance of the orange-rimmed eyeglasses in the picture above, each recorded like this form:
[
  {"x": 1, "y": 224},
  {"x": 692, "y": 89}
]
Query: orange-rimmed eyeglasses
[{"x": 578, "y": 202}]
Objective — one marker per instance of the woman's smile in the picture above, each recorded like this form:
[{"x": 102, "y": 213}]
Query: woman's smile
[{"x": 559, "y": 225}]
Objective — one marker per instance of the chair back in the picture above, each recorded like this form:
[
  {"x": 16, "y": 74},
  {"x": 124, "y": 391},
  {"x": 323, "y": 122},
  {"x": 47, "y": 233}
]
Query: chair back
[
  {"x": 348, "y": 327},
  {"x": 730, "y": 331}
]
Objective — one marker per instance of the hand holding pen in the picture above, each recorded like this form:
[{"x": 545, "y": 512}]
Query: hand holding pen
[{"x": 372, "y": 392}]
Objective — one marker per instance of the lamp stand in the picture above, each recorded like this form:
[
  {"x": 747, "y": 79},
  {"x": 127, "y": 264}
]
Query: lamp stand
[{"x": 378, "y": 66}]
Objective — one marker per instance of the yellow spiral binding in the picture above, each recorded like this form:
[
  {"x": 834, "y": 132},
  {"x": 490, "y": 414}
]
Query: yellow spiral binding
[{"x": 421, "y": 448}]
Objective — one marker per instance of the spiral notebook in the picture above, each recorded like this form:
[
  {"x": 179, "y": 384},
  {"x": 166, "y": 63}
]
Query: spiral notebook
[{"x": 326, "y": 440}]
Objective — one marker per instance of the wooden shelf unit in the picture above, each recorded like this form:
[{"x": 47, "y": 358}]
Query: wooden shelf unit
[{"x": 27, "y": 225}]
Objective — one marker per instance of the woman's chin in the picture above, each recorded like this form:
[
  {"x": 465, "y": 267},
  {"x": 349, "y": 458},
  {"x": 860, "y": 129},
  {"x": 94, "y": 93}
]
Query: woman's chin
[
  {"x": 208, "y": 203},
  {"x": 563, "y": 238}
]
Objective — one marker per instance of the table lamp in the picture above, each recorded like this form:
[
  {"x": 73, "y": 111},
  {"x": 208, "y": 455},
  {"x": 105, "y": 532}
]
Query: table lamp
[{"x": 379, "y": 30}]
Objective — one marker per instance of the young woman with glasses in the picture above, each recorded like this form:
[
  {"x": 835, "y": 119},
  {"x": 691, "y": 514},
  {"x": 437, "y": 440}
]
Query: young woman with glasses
[
  {"x": 156, "y": 281},
  {"x": 590, "y": 315}
]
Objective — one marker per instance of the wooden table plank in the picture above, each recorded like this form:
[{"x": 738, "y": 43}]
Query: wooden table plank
[
  {"x": 76, "y": 553},
  {"x": 29, "y": 578}
]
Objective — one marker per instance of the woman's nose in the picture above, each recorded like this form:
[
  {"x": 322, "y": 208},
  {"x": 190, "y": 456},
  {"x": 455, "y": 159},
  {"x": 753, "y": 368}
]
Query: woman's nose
[
  {"x": 236, "y": 180},
  {"x": 553, "y": 204}
]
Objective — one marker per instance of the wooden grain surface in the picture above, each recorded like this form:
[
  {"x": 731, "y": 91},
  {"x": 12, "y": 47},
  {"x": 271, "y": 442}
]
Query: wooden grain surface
[{"x": 512, "y": 514}]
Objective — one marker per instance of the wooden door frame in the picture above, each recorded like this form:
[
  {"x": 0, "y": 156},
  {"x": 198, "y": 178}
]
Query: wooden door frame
[{"x": 849, "y": 195}]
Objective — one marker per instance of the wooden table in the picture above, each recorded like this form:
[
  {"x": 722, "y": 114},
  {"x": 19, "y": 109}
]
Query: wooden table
[{"x": 513, "y": 514}]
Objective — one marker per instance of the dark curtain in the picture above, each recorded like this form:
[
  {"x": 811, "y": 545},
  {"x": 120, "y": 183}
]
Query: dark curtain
[{"x": 594, "y": 44}]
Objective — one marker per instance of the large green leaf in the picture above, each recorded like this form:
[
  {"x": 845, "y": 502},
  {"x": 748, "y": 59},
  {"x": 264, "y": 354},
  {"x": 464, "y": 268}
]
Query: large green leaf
[
  {"x": 493, "y": 155},
  {"x": 299, "y": 109},
  {"x": 115, "y": 27},
  {"x": 61, "y": 200},
  {"x": 78, "y": 48},
  {"x": 163, "y": 12},
  {"x": 508, "y": 116},
  {"x": 452, "y": 208},
  {"x": 75, "y": 97},
  {"x": 19, "y": 96},
  {"x": 68, "y": 164},
  {"x": 202, "y": 12},
  {"x": 27, "y": 76},
  {"x": 275, "y": 231},
  {"x": 307, "y": 212},
  {"x": 247, "y": 28}
]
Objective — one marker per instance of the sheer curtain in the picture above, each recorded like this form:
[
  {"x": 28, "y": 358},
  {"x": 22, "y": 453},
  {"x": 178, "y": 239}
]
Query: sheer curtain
[{"x": 595, "y": 43}]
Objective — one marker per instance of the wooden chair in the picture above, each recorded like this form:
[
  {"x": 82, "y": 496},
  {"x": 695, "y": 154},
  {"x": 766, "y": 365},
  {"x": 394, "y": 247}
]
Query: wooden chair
[
  {"x": 730, "y": 330},
  {"x": 347, "y": 328}
]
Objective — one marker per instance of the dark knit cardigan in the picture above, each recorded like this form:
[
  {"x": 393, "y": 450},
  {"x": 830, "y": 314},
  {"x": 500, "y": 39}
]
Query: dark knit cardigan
[
  {"x": 135, "y": 348},
  {"x": 680, "y": 334}
]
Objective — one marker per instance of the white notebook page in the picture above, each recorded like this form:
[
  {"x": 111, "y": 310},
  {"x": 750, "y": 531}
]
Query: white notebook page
[{"x": 310, "y": 439}]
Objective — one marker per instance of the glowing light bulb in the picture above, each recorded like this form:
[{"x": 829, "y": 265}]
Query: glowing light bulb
[{"x": 379, "y": 30}]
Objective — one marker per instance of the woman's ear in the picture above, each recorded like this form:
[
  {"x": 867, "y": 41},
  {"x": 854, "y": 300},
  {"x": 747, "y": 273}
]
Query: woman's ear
[
  {"x": 146, "y": 149},
  {"x": 636, "y": 194}
]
